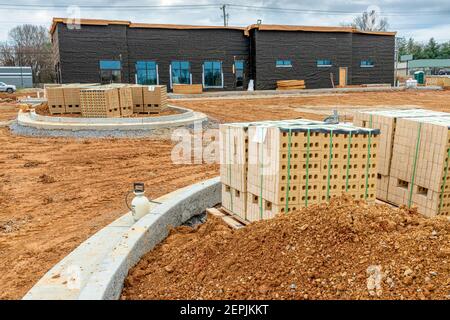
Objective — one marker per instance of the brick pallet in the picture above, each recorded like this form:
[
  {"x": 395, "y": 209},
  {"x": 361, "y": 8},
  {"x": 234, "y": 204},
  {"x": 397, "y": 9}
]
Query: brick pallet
[
  {"x": 72, "y": 96},
  {"x": 419, "y": 169},
  {"x": 55, "y": 98},
  {"x": 154, "y": 98},
  {"x": 292, "y": 164},
  {"x": 137, "y": 98},
  {"x": 100, "y": 102},
  {"x": 386, "y": 121}
]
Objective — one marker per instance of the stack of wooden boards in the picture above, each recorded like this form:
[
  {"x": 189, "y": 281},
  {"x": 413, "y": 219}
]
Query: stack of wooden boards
[
  {"x": 103, "y": 101},
  {"x": 274, "y": 167},
  {"x": 413, "y": 157},
  {"x": 187, "y": 88},
  {"x": 291, "y": 85}
]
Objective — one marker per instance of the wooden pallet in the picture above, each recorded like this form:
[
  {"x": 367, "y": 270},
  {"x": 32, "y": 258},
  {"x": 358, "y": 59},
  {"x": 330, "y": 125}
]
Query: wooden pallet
[{"x": 234, "y": 221}]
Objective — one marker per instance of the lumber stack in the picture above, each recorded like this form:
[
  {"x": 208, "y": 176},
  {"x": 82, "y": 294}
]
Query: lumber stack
[
  {"x": 291, "y": 85},
  {"x": 386, "y": 122},
  {"x": 291, "y": 164},
  {"x": 100, "y": 102},
  {"x": 187, "y": 88},
  {"x": 419, "y": 169}
]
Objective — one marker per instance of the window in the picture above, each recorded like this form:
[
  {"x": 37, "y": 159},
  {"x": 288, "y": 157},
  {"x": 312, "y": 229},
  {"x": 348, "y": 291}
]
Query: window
[
  {"x": 180, "y": 72},
  {"x": 324, "y": 63},
  {"x": 147, "y": 72},
  {"x": 239, "y": 73},
  {"x": 212, "y": 74},
  {"x": 110, "y": 71},
  {"x": 367, "y": 64},
  {"x": 283, "y": 64}
]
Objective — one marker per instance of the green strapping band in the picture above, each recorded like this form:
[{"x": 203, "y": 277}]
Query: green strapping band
[
  {"x": 368, "y": 158},
  {"x": 329, "y": 165},
  {"x": 261, "y": 181},
  {"x": 414, "y": 165},
  {"x": 288, "y": 183},
  {"x": 348, "y": 161},
  {"x": 445, "y": 181},
  {"x": 229, "y": 167},
  {"x": 307, "y": 167}
]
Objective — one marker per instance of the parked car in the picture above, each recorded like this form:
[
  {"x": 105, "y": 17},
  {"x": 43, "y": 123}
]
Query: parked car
[
  {"x": 7, "y": 88},
  {"x": 444, "y": 72}
]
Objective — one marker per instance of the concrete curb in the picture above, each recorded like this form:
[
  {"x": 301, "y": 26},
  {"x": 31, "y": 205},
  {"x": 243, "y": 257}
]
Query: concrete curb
[
  {"x": 186, "y": 118},
  {"x": 97, "y": 269}
]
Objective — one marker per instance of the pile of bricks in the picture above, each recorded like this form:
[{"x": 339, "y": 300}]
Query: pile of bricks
[
  {"x": 413, "y": 158},
  {"x": 132, "y": 99},
  {"x": 268, "y": 168}
]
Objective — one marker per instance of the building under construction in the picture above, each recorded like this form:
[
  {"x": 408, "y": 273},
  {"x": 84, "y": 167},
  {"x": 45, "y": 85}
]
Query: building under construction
[{"x": 220, "y": 58}]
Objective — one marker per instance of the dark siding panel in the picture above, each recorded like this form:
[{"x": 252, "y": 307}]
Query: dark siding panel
[
  {"x": 303, "y": 49},
  {"x": 381, "y": 49},
  {"x": 81, "y": 50},
  {"x": 195, "y": 46}
]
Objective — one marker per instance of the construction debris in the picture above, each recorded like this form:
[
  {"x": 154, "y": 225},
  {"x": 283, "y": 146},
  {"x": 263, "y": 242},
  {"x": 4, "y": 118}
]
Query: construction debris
[{"x": 342, "y": 250}]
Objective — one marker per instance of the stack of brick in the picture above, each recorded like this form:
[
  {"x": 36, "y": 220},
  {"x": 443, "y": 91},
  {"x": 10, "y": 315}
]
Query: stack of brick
[
  {"x": 419, "y": 168},
  {"x": 71, "y": 93},
  {"x": 292, "y": 164},
  {"x": 55, "y": 98},
  {"x": 154, "y": 98},
  {"x": 100, "y": 102},
  {"x": 386, "y": 121}
]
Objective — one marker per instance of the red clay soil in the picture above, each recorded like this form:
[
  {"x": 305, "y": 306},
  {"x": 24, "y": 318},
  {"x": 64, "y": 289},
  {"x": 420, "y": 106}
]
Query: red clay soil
[
  {"x": 323, "y": 252},
  {"x": 56, "y": 192},
  {"x": 229, "y": 110}
]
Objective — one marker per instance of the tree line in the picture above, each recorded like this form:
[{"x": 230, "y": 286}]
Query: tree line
[{"x": 429, "y": 50}]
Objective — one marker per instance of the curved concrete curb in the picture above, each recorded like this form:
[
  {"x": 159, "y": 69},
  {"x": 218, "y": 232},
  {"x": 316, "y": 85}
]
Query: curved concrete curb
[
  {"x": 97, "y": 269},
  {"x": 34, "y": 120}
]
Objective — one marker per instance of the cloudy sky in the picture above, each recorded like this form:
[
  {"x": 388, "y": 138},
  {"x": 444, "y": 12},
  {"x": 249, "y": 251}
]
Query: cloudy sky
[{"x": 420, "y": 19}]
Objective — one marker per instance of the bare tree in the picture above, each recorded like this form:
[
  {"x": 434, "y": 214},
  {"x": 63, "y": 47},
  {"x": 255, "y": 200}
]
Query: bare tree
[
  {"x": 370, "y": 21},
  {"x": 7, "y": 55},
  {"x": 29, "y": 45}
]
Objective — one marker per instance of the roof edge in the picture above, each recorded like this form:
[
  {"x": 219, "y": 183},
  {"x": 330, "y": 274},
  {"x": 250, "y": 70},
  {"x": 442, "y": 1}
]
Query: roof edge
[{"x": 262, "y": 27}]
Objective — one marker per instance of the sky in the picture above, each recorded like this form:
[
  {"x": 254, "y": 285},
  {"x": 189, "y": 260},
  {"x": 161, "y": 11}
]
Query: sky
[{"x": 420, "y": 19}]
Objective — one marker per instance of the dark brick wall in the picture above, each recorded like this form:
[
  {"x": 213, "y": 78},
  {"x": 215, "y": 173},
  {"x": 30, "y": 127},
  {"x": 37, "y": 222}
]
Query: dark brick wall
[
  {"x": 79, "y": 53},
  {"x": 303, "y": 49},
  {"x": 195, "y": 46},
  {"x": 381, "y": 49}
]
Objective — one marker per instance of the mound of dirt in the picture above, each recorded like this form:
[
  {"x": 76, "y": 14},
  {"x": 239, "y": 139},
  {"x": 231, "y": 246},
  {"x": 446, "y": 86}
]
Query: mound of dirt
[{"x": 344, "y": 250}]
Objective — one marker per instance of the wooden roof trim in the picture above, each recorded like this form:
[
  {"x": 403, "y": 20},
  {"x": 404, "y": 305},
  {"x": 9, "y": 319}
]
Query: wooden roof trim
[
  {"x": 178, "y": 26},
  {"x": 275, "y": 27},
  {"x": 262, "y": 27}
]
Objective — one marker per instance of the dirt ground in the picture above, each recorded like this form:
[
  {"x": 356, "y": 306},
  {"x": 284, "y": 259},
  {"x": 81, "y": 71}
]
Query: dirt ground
[
  {"x": 56, "y": 192},
  {"x": 227, "y": 110},
  {"x": 349, "y": 251}
]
